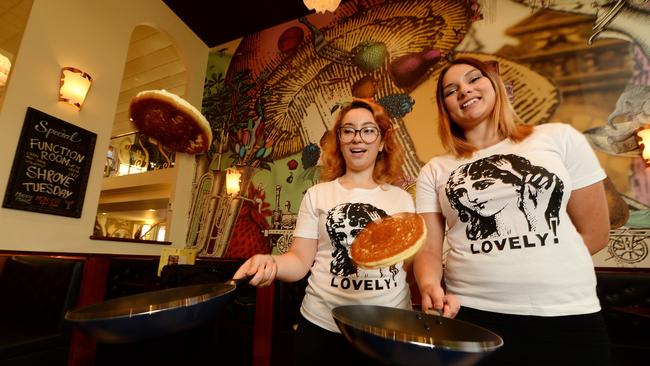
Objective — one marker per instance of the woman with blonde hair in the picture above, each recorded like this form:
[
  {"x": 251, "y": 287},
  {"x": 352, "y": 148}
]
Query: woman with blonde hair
[{"x": 522, "y": 209}]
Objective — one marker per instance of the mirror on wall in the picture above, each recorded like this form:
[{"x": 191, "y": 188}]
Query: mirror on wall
[
  {"x": 139, "y": 174},
  {"x": 13, "y": 20}
]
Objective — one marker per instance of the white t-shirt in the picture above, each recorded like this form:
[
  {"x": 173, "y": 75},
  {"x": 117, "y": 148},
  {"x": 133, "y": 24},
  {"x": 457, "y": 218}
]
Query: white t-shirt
[
  {"x": 513, "y": 247},
  {"x": 334, "y": 215}
]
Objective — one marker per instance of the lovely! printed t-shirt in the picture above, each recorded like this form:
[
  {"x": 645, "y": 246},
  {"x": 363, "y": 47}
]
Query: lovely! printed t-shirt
[
  {"x": 513, "y": 247},
  {"x": 335, "y": 215}
]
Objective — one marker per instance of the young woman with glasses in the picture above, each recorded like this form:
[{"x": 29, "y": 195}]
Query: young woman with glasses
[{"x": 361, "y": 158}]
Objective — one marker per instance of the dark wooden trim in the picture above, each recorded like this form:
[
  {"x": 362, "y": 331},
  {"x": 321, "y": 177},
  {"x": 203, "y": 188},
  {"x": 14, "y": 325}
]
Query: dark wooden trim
[
  {"x": 623, "y": 269},
  {"x": 137, "y": 241},
  {"x": 76, "y": 255},
  {"x": 263, "y": 333},
  {"x": 93, "y": 287}
]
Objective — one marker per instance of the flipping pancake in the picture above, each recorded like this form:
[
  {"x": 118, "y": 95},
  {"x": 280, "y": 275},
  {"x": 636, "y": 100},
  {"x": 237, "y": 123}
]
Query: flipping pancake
[
  {"x": 170, "y": 120},
  {"x": 389, "y": 240}
]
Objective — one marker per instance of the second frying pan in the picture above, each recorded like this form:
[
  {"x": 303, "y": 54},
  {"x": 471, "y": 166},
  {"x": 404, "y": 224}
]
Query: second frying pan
[
  {"x": 154, "y": 313},
  {"x": 405, "y": 337}
]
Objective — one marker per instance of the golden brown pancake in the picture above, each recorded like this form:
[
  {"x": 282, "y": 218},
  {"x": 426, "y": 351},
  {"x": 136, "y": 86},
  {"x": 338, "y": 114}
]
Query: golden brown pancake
[
  {"x": 170, "y": 120},
  {"x": 389, "y": 240}
]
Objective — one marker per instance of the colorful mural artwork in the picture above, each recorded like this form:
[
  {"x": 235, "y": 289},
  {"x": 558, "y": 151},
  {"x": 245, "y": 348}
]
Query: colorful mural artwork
[
  {"x": 605, "y": 89},
  {"x": 271, "y": 97}
]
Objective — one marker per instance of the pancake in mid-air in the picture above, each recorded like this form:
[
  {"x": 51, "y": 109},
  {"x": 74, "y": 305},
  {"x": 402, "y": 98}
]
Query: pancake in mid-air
[
  {"x": 170, "y": 120},
  {"x": 389, "y": 240}
]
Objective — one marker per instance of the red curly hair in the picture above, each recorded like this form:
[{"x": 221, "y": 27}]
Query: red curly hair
[{"x": 388, "y": 166}]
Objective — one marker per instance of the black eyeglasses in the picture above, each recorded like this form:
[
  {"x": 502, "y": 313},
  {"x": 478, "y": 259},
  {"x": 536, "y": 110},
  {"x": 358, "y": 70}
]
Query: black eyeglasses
[{"x": 368, "y": 134}]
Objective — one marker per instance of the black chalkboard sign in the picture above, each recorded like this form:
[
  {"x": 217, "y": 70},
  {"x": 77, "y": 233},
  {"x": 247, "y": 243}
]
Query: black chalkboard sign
[{"x": 51, "y": 167}]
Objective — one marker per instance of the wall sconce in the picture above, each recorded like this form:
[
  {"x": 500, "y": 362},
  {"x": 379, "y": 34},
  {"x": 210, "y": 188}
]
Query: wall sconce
[
  {"x": 322, "y": 5},
  {"x": 74, "y": 86},
  {"x": 5, "y": 67},
  {"x": 643, "y": 139},
  {"x": 232, "y": 181}
]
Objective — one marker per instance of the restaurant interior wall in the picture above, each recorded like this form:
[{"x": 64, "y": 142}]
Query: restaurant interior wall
[
  {"x": 545, "y": 55},
  {"x": 93, "y": 36},
  {"x": 139, "y": 173}
]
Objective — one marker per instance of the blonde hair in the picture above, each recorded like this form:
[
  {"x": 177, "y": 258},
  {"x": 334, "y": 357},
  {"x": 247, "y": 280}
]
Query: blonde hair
[
  {"x": 504, "y": 117},
  {"x": 388, "y": 166}
]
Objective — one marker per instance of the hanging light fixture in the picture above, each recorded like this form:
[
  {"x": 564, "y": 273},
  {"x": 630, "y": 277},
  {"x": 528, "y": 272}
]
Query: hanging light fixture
[
  {"x": 322, "y": 6},
  {"x": 643, "y": 139},
  {"x": 5, "y": 67},
  {"x": 74, "y": 86},
  {"x": 232, "y": 181}
]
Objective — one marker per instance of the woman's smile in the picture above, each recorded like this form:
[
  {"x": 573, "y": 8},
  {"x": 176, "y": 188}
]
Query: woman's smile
[
  {"x": 357, "y": 151},
  {"x": 469, "y": 96},
  {"x": 470, "y": 103}
]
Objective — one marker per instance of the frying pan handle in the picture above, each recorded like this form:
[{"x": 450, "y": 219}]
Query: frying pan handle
[
  {"x": 240, "y": 281},
  {"x": 433, "y": 312}
]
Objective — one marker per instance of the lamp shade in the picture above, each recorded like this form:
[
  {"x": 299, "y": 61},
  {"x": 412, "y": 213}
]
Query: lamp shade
[
  {"x": 5, "y": 67},
  {"x": 322, "y": 5},
  {"x": 74, "y": 86},
  {"x": 643, "y": 138},
  {"x": 232, "y": 181}
]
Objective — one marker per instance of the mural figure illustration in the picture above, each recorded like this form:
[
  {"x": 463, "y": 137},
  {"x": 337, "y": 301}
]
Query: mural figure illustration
[
  {"x": 477, "y": 190},
  {"x": 620, "y": 19},
  {"x": 343, "y": 223},
  {"x": 381, "y": 51},
  {"x": 633, "y": 102},
  {"x": 614, "y": 19},
  {"x": 630, "y": 244},
  {"x": 618, "y": 138}
]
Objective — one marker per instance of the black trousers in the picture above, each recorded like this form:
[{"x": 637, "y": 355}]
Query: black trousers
[
  {"x": 315, "y": 346},
  {"x": 544, "y": 341}
]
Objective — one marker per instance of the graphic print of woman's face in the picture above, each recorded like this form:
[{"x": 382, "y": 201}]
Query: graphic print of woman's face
[
  {"x": 483, "y": 188},
  {"x": 343, "y": 223},
  {"x": 479, "y": 191}
]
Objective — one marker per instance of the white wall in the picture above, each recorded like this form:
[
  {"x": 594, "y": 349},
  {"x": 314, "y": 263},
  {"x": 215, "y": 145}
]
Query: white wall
[{"x": 92, "y": 35}]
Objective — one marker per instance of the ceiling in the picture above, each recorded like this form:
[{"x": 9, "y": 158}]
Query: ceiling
[
  {"x": 13, "y": 18},
  {"x": 218, "y": 22}
]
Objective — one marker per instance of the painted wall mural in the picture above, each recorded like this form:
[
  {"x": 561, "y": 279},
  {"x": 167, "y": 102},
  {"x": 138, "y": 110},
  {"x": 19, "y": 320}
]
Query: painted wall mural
[
  {"x": 605, "y": 89},
  {"x": 271, "y": 96}
]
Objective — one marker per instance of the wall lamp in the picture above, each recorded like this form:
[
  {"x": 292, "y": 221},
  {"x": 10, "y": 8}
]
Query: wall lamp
[
  {"x": 232, "y": 181},
  {"x": 74, "y": 86},
  {"x": 643, "y": 139},
  {"x": 322, "y": 5},
  {"x": 5, "y": 67}
]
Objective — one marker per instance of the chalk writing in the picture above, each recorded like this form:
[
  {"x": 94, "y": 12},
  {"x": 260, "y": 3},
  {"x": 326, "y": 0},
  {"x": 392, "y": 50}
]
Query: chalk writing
[{"x": 51, "y": 166}]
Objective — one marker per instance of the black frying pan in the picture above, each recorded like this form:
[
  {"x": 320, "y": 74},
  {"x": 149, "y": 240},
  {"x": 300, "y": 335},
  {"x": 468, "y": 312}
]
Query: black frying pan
[
  {"x": 152, "y": 314},
  {"x": 405, "y": 337}
]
